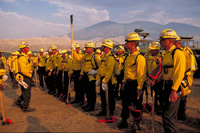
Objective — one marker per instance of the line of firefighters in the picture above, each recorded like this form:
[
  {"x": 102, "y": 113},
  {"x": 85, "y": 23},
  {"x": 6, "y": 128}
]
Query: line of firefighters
[{"x": 127, "y": 73}]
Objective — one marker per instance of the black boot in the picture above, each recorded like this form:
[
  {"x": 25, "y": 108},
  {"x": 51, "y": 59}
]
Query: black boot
[{"x": 122, "y": 124}]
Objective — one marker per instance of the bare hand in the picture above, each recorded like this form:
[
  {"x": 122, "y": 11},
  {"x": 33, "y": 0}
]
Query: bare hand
[
  {"x": 49, "y": 74},
  {"x": 173, "y": 96}
]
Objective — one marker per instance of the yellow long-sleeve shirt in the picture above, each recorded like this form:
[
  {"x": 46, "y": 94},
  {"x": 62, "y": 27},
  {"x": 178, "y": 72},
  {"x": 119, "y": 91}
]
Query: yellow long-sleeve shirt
[
  {"x": 89, "y": 63},
  {"x": 41, "y": 61},
  {"x": 25, "y": 65},
  {"x": 177, "y": 72},
  {"x": 135, "y": 69},
  {"x": 14, "y": 64},
  {"x": 67, "y": 64},
  {"x": 106, "y": 67},
  {"x": 119, "y": 64},
  {"x": 55, "y": 60},
  {"x": 2, "y": 62},
  {"x": 77, "y": 60},
  {"x": 49, "y": 64}
]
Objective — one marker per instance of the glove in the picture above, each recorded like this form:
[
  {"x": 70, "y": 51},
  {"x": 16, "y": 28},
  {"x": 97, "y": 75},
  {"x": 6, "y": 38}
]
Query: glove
[
  {"x": 5, "y": 77},
  {"x": 104, "y": 86},
  {"x": 73, "y": 47},
  {"x": 92, "y": 72},
  {"x": 24, "y": 84},
  {"x": 97, "y": 83}
]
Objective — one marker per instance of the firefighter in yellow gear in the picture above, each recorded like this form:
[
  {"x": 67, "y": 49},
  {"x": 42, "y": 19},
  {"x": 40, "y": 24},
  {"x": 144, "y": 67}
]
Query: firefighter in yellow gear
[
  {"x": 35, "y": 61},
  {"x": 188, "y": 78},
  {"x": 153, "y": 59},
  {"x": 14, "y": 68},
  {"x": 49, "y": 69},
  {"x": 9, "y": 65},
  {"x": 33, "y": 65},
  {"x": 98, "y": 52},
  {"x": 134, "y": 77},
  {"x": 2, "y": 60},
  {"x": 76, "y": 66},
  {"x": 26, "y": 72},
  {"x": 119, "y": 71},
  {"x": 41, "y": 67},
  {"x": 106, "y": 69},
  {"x": 66, "y": 68},
  {"x": 90, "y": 62},
  {"x": 56, "y": 75},
  {"x": 173, "y": 73}
]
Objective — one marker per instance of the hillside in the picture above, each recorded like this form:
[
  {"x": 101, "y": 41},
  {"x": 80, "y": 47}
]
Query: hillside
[{"x": 100, "y": 31}]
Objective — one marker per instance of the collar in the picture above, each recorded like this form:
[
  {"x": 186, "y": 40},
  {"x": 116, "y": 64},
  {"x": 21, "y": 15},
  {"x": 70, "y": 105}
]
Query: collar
[{"x": 171, "y": 49}]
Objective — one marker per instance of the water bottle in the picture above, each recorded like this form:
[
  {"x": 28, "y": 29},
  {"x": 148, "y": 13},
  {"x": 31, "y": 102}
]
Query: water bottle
[{"x": 179, "y": 94}]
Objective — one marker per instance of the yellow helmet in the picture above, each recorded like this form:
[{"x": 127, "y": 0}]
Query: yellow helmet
[
  {"x": 107, "y": 43},
  {"x": 154, "y": 46},
  {"x": 23, "y": 44},
  {"x": 84, "y": 49},
  {"x": 1, "y": 50},
  {"x": 63, "y": 51},
  {"x": 35, "y": 54},
  {"x": 133, "y": 36},
  {"x": 41, "y": 50},
  {"x": 120, "y": 48},
  {"x": 16, "y": 52},
  {"x": 178, "y": 38},
  {"x": 98, "y": 51},
  {"x": 13, "y": 53},
  {"x": 76, "y": 45},
  {"x": 53, "y": 47},
  {"x": 168, "y": 33},
  {"x": 60, "y": 51},
  {"x": 29, "y": 52},
  {"x": 50, "y": 50},
  {"x": 89, "y": 45}
]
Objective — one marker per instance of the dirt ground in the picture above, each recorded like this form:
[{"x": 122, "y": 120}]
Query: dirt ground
[{"x": 54, "y": 116}]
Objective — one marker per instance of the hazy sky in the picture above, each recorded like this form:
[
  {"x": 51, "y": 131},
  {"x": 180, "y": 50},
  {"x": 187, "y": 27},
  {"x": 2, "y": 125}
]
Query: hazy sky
[{"x": 33, "y": 18}]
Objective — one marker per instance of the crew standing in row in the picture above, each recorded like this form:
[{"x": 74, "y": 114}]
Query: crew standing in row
[{"x": 134, "y": 76}]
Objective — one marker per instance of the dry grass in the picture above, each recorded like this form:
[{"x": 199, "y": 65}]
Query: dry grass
[{"x": 54, "y": 116}]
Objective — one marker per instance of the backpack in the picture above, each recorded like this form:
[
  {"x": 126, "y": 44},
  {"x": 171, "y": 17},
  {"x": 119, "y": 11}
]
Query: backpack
[
  {"x": 191, "y": 62},
  {"x": 94, "y": 65}
]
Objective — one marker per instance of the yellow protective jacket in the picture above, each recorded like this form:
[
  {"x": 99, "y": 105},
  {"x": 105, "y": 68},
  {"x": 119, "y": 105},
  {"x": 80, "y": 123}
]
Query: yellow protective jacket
[
  {"x": 77, "y": 60},
  {"x": 55, "y": 60},
  {"x": 2, "y": 62},
  {"x": 106, "y": 67},
  {"x": 14, "y": 64},
  {"x": 151, "y": 64},
  {"x": 90, "y": 62},
  {"x": 34, "y": 62},
  {"x": 67, "y": 65},
  {"x": 119, "y": 64},
  {"x": 59, "y": 62},
  {"x": 42, "y": 61},
  {"x": 25, "y": 65},
  {"x": 49, "y": 64},
  {"x": 9, "y": 61},
  {"x": 174, "y": 67},
  {"x": 135, "y": 68}
]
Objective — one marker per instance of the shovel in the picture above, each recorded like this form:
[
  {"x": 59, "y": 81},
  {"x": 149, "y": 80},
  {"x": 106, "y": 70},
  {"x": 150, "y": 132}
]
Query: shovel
[{"x": 5, "y": 121}]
